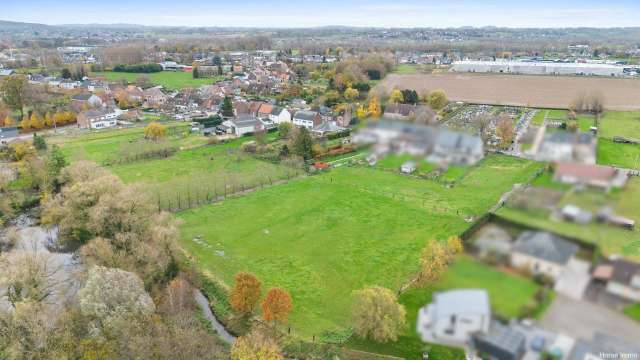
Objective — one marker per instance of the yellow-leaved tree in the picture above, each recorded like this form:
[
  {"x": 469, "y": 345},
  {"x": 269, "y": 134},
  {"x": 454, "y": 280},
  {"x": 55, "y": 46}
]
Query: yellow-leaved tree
[
  {"x": 396, "y": 96},
  {"x": 255, "y": 346},
  {"x": 351, "y": 94},
  {"x": 361, "y": 112},
  {"x": 36, "y": 121},
  {"x": 374, "y": 108},
  {"x": 155, "y": 131}
]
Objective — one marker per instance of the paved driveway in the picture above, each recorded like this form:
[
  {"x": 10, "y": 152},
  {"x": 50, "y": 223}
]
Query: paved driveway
[
  {"x": 581, "y": 320},
  {"x": 574, "y": 279}
]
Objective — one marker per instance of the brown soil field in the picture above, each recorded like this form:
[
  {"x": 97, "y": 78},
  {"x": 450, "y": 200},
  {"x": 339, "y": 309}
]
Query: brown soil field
[{"x": 522, "y": 90}]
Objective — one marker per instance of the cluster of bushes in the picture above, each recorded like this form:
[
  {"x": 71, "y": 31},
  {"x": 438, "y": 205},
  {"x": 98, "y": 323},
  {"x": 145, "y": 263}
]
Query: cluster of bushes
[
  {"x": 138, "y": 68},
  {"x": 339, "y": 135},
  {"x": 321, "y": 152},
  {"x": 541, "y": 299},
  {"x": 210, "y": 121}
]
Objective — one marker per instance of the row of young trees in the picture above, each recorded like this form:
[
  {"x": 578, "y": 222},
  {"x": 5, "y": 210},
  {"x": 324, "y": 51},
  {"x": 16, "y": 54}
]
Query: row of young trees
[
  {"x": 49, "y": 120},
  {"x": 276, "y": 306}
]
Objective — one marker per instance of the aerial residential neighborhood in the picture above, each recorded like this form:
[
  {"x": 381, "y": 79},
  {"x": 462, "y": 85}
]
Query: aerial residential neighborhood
[{"x": 265, "y": 181}]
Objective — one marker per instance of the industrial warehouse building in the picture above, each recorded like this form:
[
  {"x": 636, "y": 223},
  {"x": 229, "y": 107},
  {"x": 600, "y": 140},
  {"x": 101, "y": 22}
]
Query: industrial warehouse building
[{"x": 538, "y": 68}]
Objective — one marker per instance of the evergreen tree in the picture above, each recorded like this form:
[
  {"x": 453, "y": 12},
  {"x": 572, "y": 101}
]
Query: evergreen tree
[
  {"x": 38, "y": 142},
  {"x": 227, "y": 107}
]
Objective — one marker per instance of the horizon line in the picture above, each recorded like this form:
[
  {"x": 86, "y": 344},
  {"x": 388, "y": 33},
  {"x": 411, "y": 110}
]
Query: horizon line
[{"x": 321, "y": 26}]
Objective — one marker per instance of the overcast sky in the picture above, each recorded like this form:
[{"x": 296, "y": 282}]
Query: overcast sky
[{"x": 303, "y": 13}]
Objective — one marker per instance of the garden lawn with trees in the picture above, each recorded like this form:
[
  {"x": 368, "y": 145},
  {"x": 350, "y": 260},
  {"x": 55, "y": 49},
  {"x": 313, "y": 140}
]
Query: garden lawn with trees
[
  {"x": 322, "y": 237},
  {"x": 508, "y": 293},
  {"x": 168, "y": 79}
]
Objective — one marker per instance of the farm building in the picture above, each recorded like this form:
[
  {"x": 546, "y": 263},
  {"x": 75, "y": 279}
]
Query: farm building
[{"x": 538, "y": 68}]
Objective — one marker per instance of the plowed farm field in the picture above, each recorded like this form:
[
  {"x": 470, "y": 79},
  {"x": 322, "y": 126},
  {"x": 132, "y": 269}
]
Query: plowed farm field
[{"x": 522, "y": 90}]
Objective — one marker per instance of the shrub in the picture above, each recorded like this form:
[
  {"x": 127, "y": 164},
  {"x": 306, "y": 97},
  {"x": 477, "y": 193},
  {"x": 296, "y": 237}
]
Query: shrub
[{"x": 138, "y": 68}]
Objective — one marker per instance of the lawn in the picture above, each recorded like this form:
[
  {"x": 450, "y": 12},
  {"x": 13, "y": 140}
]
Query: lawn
[
  {"x": 507, "y": 294},
  {"x": 195, "y": 171},
  {"x": 610, "y": 239},
  {"x": 99, "y": 146},
  {"x": 538, "y": 118},
  {"x": 404, "y": 69},
  {"x": 190, "y": 177},
  {"x": 168, "y": 79},
  {"x": 633, "y": 311},
  {"x": 324, "y": 236},
  {"x": 618, "y": 154},
  {"x": 551, "y": 114},
  {"x": 394, "y": 162},
  {"x": 620, "y": 123},
  {"x": 545, "y": 180}
]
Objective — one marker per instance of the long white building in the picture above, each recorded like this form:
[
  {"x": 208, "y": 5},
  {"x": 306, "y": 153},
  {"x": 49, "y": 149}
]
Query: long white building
[{"x": 538, "y": 68}]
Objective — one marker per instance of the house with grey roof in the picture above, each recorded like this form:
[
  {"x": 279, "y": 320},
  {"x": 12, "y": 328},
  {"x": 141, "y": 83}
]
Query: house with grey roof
[
  {"x": 454, "y": 316},
  {"x": 6, "y": 72},
  {"x": 438, "y": 145},
  {"x": 244, "y": 124},
  {"x": 456, "y": 148},
  {"x": 566, "y": 146},
  {"x": 307, "y": 118},
  {"x": 280, "y": 115},
  {"x": 542, "y": 253},
  {"x": 328, "y": 127},
  {"x": 99, "y": 118},
  {"x": 622, "y": 278},
  {"x": 84, "y": 101},
  {"x": 7, "y": 134},
  {"x": 501, "y": 342}
]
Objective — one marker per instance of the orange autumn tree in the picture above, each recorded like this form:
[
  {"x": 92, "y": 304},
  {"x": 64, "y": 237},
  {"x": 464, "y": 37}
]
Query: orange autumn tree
[
  {"x": 276, "y": 306},
  {"x": 245, "y": 293}
]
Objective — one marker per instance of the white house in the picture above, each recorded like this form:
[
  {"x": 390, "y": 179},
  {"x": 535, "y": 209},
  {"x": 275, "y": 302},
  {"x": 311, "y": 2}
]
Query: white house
[
  {"x": 69, "y": 84},
  {"x": 244, "y": 124},
  {"x": 99, "y": 119},
  {"x": 454, "y": 316},
  {"x": 308, "y": 119},
  {"x": 280, "y": 115},
  {"x": 542, "y": 253}
]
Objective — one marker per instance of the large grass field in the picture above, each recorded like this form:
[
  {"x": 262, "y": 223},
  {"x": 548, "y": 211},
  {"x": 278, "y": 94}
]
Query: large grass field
[
  {"x": 324, "y": 236},
  {"x": 610, "y": 239},
  {"x": 194, "y": 172},
  {"x": 101, "y": 145},
  {"x": 507, "y": 294},
  {"x": 168, "y": 79},
  {"x": 620, "y": 123},
  {"x": 618, "y": 154}
]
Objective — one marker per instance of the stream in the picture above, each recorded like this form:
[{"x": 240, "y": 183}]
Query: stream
[{"x": 203, "y": 303}]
